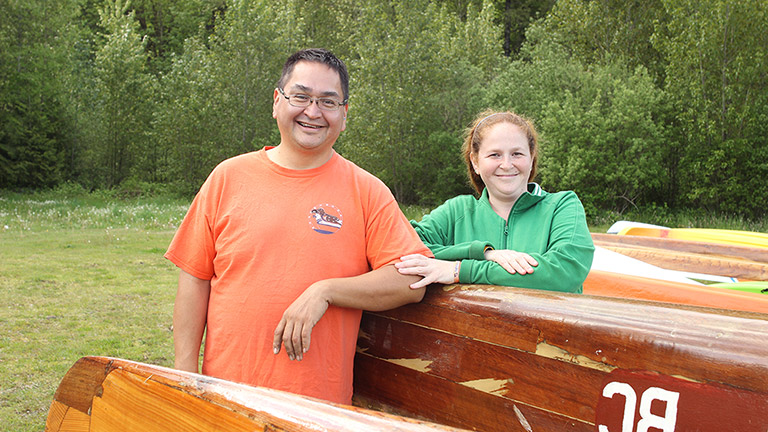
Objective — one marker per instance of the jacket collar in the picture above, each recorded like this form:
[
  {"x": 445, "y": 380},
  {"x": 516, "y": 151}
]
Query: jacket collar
[{"x": 528, "y": 199}]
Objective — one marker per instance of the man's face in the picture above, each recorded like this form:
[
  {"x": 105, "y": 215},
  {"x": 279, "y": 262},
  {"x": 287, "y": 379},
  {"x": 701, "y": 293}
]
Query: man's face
[{"x": 310, "y": 129}]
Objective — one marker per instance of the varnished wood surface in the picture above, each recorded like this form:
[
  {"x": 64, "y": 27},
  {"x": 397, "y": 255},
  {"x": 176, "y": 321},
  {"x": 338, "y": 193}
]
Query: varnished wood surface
[
  {"x": 692, "y": 262},
  {"x": 507, "y": 359},
  {"x": 101, "y": 394},
  {"x": 755, "y": 254},
  {"x": 617, "y": 285},
  {"x": 474, "y": 357}
]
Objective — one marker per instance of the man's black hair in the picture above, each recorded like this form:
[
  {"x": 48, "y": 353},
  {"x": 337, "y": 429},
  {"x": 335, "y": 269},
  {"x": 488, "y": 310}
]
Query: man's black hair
[{"x": 317, "y": 55}]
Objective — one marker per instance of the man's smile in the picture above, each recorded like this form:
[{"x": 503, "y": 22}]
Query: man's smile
[{"x": 307, "y": 125}]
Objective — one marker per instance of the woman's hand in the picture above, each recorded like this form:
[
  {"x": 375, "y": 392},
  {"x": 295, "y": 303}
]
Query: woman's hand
[
  {"x": 431, "y": 269},
  {"x": 512, "y": 261}
]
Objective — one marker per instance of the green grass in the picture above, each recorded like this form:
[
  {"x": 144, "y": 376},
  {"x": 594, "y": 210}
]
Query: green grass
[
  {"x": 80, "y": 276},
  {"x": 83, "y": 274},
  {"x": 680, "y": 218}
]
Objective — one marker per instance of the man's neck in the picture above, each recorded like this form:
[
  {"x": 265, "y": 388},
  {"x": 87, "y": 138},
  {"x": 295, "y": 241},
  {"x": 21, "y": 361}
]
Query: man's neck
[{"x": 298, "y": 160}]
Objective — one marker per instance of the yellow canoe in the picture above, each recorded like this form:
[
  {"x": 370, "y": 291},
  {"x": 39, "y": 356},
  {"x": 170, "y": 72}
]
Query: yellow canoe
[{"x": 719, "y": 236}]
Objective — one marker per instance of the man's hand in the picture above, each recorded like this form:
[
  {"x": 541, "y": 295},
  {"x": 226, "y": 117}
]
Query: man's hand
[
  {"x": 431, "y": 269},
  {"x": 377, "y": 290},
  {"x": 512, "y": 261},
  {"x": 295, "y": 328}
]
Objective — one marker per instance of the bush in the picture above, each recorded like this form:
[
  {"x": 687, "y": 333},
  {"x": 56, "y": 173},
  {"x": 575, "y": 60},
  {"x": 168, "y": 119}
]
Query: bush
[{"x": 602, "y": 128}]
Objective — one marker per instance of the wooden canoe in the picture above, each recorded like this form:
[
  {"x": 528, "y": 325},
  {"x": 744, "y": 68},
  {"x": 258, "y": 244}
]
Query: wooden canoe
[
  {"x": 728, "y": 237},
  {"x": 617, "y": 285},
  {"x": 697, "y": 263},
  {"x": 742, "y": 262},
  {"x": 475, "y": 357},
  {"x": 611, "y": 261},
  {"x": 506, "y": 359},
  {"x": 101, "y": 394},
  {"x": 748, "y": 253}
]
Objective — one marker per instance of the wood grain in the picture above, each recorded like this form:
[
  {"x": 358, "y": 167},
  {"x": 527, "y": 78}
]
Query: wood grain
[
  {"x": 692, "y": 262},
  {"x": 412, "y": 361},
  {"x": 101, "y": 394},
  {"x": 755, "y": 254}
]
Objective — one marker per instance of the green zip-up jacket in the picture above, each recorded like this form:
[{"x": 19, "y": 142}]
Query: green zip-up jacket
[{"x": 551, "y": 227}]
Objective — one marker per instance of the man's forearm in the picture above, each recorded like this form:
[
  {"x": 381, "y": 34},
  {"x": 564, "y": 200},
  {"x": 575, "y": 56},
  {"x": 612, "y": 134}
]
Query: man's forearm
[
  {"x": 189, "y": 318},
  {"x": 381, "y": 289},
  {"x": 377, "y": 290}
]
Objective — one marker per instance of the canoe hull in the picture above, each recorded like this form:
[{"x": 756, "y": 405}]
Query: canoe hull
[
  {"x": 491, "y": 358},
  {"x": 727, "y": 237},
  {"x": 101, "y": 394},
  {"x": 474, "y": 357},
  {"x": 741, "y": 262},
  {"x": 617, "y": 285}
]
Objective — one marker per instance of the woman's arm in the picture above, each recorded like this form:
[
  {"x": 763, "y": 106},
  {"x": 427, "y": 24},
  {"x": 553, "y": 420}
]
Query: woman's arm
[
  {"x": 562, "y": 267},
  {"x": 437, "y": 231}
]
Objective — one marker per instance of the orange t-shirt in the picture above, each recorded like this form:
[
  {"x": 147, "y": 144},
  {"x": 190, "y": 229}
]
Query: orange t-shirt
[{"x": 262, "y": 234}]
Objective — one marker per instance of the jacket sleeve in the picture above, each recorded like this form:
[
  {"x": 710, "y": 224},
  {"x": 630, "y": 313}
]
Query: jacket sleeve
[
  {"x": 562, "y": 267},
  {"x": 436, "y": 230}
]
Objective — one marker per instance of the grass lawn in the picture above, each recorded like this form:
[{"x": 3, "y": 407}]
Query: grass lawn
[{"x": 79, "y": 279}]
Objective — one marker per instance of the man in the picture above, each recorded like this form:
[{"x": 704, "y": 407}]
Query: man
[{"x": 283, "y": 247}]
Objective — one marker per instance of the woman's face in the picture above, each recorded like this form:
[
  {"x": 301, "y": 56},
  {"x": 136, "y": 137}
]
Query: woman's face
[{"x": 504, "y": 162}]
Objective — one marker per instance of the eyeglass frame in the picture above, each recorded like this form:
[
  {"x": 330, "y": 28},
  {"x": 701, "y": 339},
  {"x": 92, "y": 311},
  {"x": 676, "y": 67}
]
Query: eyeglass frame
[{"x": 315, "y": 100}]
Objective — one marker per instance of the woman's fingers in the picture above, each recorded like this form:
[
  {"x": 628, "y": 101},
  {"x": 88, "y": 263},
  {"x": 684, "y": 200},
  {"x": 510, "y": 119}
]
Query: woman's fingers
[
  {"x": 431, "y": 269},
  {"x": 513, "y": 261}
]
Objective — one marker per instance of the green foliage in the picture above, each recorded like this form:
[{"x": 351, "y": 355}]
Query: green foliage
[
  {"x": 718, "y": 73},
  {"x": 512, "y": 17},
  {"x": 405, "y": 102},
  {"x": 600, "y": 126},
  {"x": 34, "y": 130},
  {"x": 603, "y": 141},
  {"x": 103, "y": 92},
  {"x": 217, "y": 98},
  {"x": 168, "y": 23},
  {"x": 121, "y": 97},
  {"x": 599, "y": 29}
]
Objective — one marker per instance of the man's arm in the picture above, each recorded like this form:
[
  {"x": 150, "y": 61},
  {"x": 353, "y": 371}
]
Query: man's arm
[
  {"x": 189, "y": 317},
  {"x": 377, "y": 290}
]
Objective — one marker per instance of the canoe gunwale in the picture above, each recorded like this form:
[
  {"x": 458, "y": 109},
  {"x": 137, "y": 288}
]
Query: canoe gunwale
[{"x": 560, "y": 339}]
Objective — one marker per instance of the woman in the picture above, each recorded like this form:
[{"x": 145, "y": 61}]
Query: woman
[{"x": 515, "y": 234}]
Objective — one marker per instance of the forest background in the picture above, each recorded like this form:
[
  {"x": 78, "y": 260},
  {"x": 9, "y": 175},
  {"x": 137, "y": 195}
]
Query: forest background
[{"x": 640, "y": 103}]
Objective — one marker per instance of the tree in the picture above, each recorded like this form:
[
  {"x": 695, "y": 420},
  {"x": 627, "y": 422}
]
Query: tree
[
  {"x": 595, "y": 30},
  {"x": 218, "y": 95},
  {"x": 34, "y": 131},
  {"x": 513, "y": 17},
  {"x": 123, "y": 95},
  {"x": 601, "y": 126},
  {"x": 169, "y": 23},
  {"x": 717, "y": 74},
  {"x": 410, "y": 104}
]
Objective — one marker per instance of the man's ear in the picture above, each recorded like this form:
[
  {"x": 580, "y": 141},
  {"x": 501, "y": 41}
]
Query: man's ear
[
  {"x": 344, "y": 119},
  {"x": 275, "y": 97}
]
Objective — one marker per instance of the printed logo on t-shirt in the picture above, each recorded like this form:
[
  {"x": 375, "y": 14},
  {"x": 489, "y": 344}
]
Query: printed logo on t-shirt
[{"x": 325, "y": 219}]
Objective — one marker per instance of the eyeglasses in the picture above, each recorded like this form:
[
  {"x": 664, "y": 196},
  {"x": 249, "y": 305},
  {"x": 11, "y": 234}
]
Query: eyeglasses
[{"x": 303, "y": 101}]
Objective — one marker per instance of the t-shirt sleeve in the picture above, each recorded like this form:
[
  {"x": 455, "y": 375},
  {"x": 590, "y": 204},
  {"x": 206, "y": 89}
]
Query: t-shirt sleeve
[
  {"x": 192, "y": 248},
  {"x": 389, "y": 234}
]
